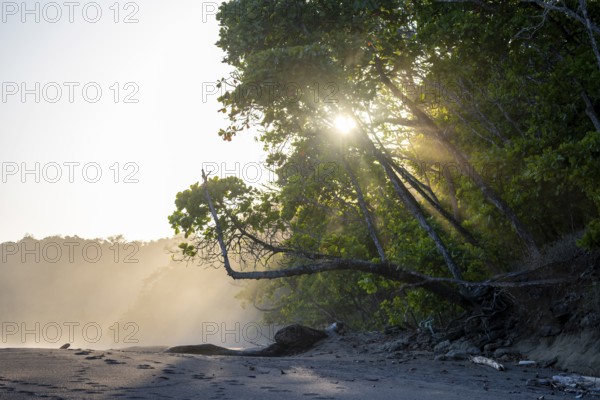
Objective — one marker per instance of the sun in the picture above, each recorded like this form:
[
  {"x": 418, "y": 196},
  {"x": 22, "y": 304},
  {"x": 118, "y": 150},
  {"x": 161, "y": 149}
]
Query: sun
[{"x": 344, "y": 124}]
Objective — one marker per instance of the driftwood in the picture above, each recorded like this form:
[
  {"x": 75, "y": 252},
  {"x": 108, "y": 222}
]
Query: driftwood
[
  {"x": 577, "y": 383},
  {"x": 289, "y": 340},
  {"x": 582, "y": 385},
  {"x": 487, "y": 361}
]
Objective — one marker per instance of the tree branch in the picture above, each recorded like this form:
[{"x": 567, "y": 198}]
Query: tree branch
[
  {"x": 588, "y": 26},
  {"x": 568, "y": 12},
  {"x": 365, "y": 210}
]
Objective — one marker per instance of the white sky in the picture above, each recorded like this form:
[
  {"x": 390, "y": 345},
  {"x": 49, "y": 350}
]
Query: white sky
[{"x": 168, "y": 134}]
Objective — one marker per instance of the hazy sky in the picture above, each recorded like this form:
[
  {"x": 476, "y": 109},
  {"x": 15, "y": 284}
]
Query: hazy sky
[{"x": 148, "y": 132}]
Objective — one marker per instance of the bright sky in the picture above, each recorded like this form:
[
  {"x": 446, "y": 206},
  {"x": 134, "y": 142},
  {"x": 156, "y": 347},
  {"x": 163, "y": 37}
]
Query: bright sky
[{"x": 152, "y": 148}]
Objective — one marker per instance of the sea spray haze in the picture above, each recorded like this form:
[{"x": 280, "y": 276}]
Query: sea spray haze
[{"x": 113, "y": 293}]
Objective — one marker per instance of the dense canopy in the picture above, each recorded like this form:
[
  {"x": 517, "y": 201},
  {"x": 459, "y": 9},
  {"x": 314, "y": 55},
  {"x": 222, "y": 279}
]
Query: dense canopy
[{"x": 419, "y": 147}]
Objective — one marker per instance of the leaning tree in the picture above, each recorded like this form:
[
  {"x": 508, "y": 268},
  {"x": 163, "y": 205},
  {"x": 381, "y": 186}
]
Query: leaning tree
[{"x": 427, "y": 143}]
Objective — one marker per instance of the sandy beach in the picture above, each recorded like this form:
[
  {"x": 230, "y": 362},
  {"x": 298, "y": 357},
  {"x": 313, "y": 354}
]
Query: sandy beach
[{"x": 342, "y": 368}]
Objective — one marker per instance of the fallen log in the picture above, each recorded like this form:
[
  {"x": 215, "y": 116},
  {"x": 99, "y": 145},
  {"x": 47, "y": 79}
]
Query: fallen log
[{"x": 487, "y": 361}]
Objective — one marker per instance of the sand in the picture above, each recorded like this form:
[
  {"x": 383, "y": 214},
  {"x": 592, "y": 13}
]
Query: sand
[{"x": 339, "y": 368}]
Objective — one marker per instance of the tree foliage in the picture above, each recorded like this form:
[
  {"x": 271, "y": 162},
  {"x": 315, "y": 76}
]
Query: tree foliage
[{"x": 477, "y": 141}]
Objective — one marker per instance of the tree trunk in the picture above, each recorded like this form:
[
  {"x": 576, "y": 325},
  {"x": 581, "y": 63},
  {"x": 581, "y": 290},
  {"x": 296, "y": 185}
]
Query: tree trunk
[
  {"x": 365, "y": 210},
  {"x": 413, "y": 206}
]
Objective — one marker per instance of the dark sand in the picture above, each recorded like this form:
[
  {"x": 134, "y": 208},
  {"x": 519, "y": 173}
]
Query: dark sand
[{"x": 337, "y": 368}]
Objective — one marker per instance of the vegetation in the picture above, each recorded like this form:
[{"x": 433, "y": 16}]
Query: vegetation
[{"x": 472, "y": 140}]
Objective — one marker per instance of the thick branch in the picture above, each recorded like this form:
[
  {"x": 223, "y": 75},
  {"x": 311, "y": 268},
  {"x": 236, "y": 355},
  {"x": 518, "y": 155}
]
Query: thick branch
[
  {"x": 385, "y": 269},
  {"x": 438, "y": 286}
]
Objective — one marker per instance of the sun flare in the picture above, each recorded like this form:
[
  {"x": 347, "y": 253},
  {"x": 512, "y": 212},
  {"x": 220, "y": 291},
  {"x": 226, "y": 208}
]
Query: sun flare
[{"x": 344, "y": 124}]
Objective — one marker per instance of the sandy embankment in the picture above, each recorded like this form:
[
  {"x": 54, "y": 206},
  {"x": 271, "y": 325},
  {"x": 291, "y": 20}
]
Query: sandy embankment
[{"x": 337, "y": 368}]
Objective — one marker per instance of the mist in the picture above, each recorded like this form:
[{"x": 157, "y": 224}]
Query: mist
[{"x": 101, "y": 294}]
